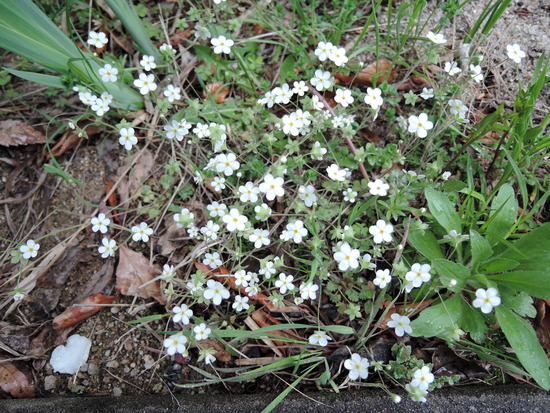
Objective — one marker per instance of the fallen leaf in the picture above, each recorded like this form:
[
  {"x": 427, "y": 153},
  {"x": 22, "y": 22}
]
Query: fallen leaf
[
  {"x": 134, "y": 276},
  {"x": 379, "y": 70},
  {"x": 141, "y": 170},
  {"x": 167, "y": 242},
  {"x": 86, "y": 308},
  {"x": 543, "y": 322},
  {"x": 16, "y": 379},
  {"x": 217, "y": 90},
  {"x": 447, "y": 363},
  {"x": 98, "y": 281},
  {"x": 221, "y": 353},
  {"x": 415, "y": 83},
  {"x": 17, "y": 133}
]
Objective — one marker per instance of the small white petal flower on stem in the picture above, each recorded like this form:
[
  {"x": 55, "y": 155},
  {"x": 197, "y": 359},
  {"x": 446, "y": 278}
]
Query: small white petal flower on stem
[
  {"x": 319, "y": 338},
  {"x": 215, "y": 291},
  {"x": 145, "y": 83},
  {"x": 108, "y": 73},
  {"x": 284, "y": 283},
  {"x": 182, "y": 314},
  {"x": 420, "y": 125},
  {"x": 436, "y": 38},
  {"x": 309, "y": 291},
  {"x": 422, "y": 378},
  {"x": 222, "y": 44},
  {"x": 347, "y": 257},
  {"x": 218, "y": 183},
  {"x": 358, "y": 367},
  {"x": 476, "y": 73},
  {"x": 100, "y": 223},
  {"x": 343, "y": 97},
  {"x": 108, "y": 248},
  {"x": 260, "y": 238},
  {"x": 321, "y": 80},
  {"x": 29, "y": 250},
  {"x": 240, "y": 304},
  {"x": 234, "y": 220},
  {"x": 272, "y": 187},
  {"x": 336, "y": 174},
  {"x": 515, "y": 53},
  {"x": 212, "y": 260},
  {"x": 172, "y": 93},
  {"x": 202, "y": 332},
  {"x": 374, "y": 98},
  {"x": 215, "y": 209},
  {"x": 323, "y": 50},
  {"x": 202, "y": 32},
  {"x": 168, "y": 272},
  {"x": 378, "y": 187},
  {"x": 349, "y": 195},
  {"x": 300, "y": 88},
  {"x": 249, "y": 192},
  {"x": 486, "y": 300},
  {"x": 307, "y": 194},
  {"x": 148, "y": 63},
  {"x": 141, "y": 232},
  {"x": 400, "y": 323},
  {"x": 338, "y": 55},
  {"x": 383, "y": 278},
  {"x": 97, "y": 39},
  {"x": 227, "y": 163},
  {"x": 419, "y": 274},
  {"x": 175, "y": 344},
  {"x": 381, "y": 232},
  {"x": 295, "y": 231},
  {"x": 452, "y": 68},
  {"x": 427, "y": 93}
]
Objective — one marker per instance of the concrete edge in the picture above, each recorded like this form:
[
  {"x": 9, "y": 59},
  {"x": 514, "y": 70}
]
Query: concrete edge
[{"x": 467, "y": 399}]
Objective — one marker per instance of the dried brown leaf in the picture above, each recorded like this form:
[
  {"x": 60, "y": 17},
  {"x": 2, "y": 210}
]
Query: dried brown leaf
[
  {"x": 216, "y": 90},
  {"x": 16, "y": 379},
  {"x": 415, "y": 83},
  {"x": 73, "y": 315},
  {"x": 141, "y": 170},
  {"x": 221, "y": 353},
  {"x": 373, "y": 74},
  {"x": 165, "y": 241},
  {"x": 17, "y": 133},
  {"x": 134, "y": 276}
]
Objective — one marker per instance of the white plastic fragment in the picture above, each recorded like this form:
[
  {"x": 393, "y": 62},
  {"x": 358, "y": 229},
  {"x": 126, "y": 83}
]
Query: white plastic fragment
[{"x": 68, "y": 358}]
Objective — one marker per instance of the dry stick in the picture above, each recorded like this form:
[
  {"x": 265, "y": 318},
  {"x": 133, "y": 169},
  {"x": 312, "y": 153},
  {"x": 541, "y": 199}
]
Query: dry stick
[{"x": 348, "y": 140}]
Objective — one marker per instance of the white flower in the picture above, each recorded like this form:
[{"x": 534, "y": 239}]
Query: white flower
[
  {"x": 309, "y": 291},
  {"x": 383, "y": 278},
  {"x": 412, "y": 175},
  {"x": 249, "y": 192},
  {"x": 172, "y": 93},
  {"x": 358, "y": 367},
  {"x": 436, "y": 38},
  {"x": 323, "y": 50},
  {"x": 401, "y": 324},
  {"x": 168, "y": 272},
  {"x": 515, "y": 53},
  {"x": 263, "y": 212},
  {"x": 97, "y": 39},
  {"x": 343, "y": 97},
  {"x": 367, "y": 262},
  {"x": 222, "y": 44},
  {"x": 108, "y": 73},
  {"x": 291, "y": 124},
  {"x": 166, "y": 49},
  {"x": 108, "y": 248},
  {"x": 212, "y": 260},
  {"x": 319, "y": 338},
  {"x": 475, "y": 72},
  {"x": 100, "y": 107},
  {"x": 338, "y": 55},
  {"x": 215, "y": 291},
  {"x": 175, "y": 344},
  {"x": 201, "y": 332},
  {"x": 195, "y": 285},
  {"x": 141, "y": 232},
  {"x": 335, "y": 173},
  {"x": 378, "y": 187},
  {"x": 127, "y": 138},
  {"x": 242, "y": 278},
  {"x": 260, "y": 237},
  {"x": 427, "y": 93},
  {"x": 240, "y": 304},
  {"x": 321, "y": 80},
  {"x": 452, "y": 68},
  {"x": 268, "y": 99},
  {"x": 319, "y": 105},
  {"x": 456, "y": 107},
  {"x": 100, "y": 223},
  {"x": 420, "y": 125},
  {"x": 192, "y": 231},
  {"x": 145, "y": 83},
  {"x": 177, "y": 130},
  {"x": 422, "y": 378},
  {"x": 184, "y": 218},
  {"x": 307, "y": 194},
  {"x": 148, "y": 63},
  {"x": 374, "y": 98},
  {"x": 417, "y": 275},
  {"x": 300, "y": 88},
  {"x": 349, "y": 195},
  {"x": 446, "y": 175},
  {"x": 218, "y": 183},
  {"x": 227, "y": 163},
  {"x": 202, "y": 130},
  {"x": 347, "y": 257},
  {"x": 87, "y": 98},
  {"x": 317, "y": 151},
  {"x": 381, "y": 232},
  {"x": 106, "y": 97},
  {"x": 486, "y": 299},
  {"x": 295, "y": 231},
  {"x": 282, "y": 94},
  {"x": 210, "y": 231},
  {"x": 234, "y": 220},
  {"x": 268, "y": 270},
  {"x": 272, "y": 187},
  {"x": 216, "y": 209},
  {"x": 202, "y": 32},
  {"x": 284, "y": 283},
  {"x": 182, "y": 314},
  {"x": 30, "y": 249}
]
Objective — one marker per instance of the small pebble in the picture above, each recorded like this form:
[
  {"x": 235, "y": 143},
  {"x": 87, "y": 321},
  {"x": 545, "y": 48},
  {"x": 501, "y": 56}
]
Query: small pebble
[
  {"x": 93, "y": 369},
  {"x": 112, "y": 364},
  {"x": 117, "y": 391},
  {"x": 49, "y": 383}
]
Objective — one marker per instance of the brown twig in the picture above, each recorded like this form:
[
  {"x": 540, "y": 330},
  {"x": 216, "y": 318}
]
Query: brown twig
[{"x": 350, "y": 144}]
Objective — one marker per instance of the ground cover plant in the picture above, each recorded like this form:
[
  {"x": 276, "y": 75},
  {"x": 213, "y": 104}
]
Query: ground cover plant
[{"x": 309, "y": 192}]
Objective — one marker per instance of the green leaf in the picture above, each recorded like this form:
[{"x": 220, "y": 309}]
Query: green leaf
[
  {"x": 533, "y": 246},
  {"x": 521, "y": 303},
  {"x": 498, "y": 265},
  {"x": 473, "y": 322},
  {"x": 523, "y": 340},
  {"x": 48, "y": 80},
  {"x": 535, "y": 283},
  {"x": 449, "y": 270},
  {"x": 481, "y": 249},
  {"x": 438, "y": 319},
  {"x": 425, "y": 243},
  {"x": 504, "y": 212},
  {"x": 443, "y": 210}
]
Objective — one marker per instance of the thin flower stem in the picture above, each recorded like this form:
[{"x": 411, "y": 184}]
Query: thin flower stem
[{"x": 348, "y": 140}]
